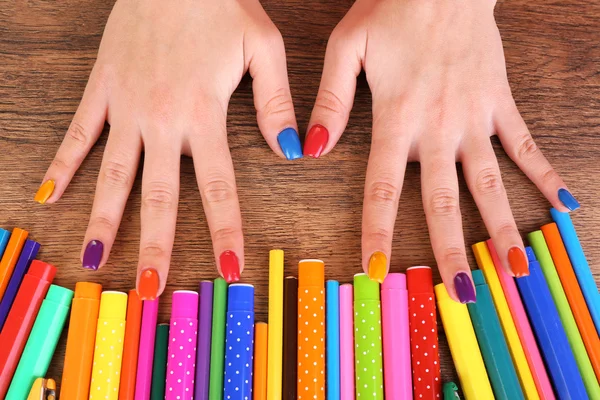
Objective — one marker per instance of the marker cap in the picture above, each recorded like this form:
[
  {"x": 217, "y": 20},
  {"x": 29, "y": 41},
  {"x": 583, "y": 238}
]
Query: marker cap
[
  {"x": 365, "y": 288},
  {"x": 59, "y": 295},
  {"x": 530, "y": 254},
  {"x": 441, "y": 293},
  {"x": 88, "y": 290},
  {"x": 311, "y": 273},
  {"x": 184, "y": 304},
  {"x": 394, "y": 281},
  {"x": 240, "y": 297},
  {"x": 478, "y": 278},
  {"x": 419, "y": 280},
  {"x": 42, "y": 270},
  {"x": 113, "y": 305}
]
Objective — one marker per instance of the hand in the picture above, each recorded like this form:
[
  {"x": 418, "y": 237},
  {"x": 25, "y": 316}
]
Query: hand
[
  {"x": 438, "y": 80},
  {"x": 163, "y": 79}
]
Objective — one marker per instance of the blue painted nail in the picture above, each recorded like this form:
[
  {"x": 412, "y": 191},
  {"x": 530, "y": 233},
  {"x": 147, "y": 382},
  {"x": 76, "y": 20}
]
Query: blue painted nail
[
  {"x": 289, "y": 141},
  {"x": 568, "y": 199}
]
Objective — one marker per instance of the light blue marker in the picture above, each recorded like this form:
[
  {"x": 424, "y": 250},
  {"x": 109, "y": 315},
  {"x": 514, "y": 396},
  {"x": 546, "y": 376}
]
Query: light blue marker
[
  {"x": 4, "y": 236},
  {"x": 332, "y": 306}
]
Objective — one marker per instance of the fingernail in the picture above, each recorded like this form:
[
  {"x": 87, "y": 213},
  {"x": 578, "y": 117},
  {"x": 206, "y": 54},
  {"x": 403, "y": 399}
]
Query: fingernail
[
  {"x": 230, "y": 266},
  {"x": 93, "y": 255},
  {"x": 316, "y": 140},
  {"x": 44, "y": 192},
  {"x": 148, "y": 284},
  {"x": 377, "y": 266},
  {"x": 289, "y": 141},
  {"x": 568, "y": 199},
  {"x": 518, "y": 262},
  {"x": 464, "y": 288}
]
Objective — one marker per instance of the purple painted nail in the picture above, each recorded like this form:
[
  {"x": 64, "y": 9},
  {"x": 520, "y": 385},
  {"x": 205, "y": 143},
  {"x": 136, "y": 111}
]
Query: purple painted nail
[
  {"x": 93, "y": 255},
  {"x": 464, "y": 288}
]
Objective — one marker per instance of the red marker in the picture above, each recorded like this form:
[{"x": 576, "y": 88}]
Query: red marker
[
  {"x": 21, "y": 318},
  {"x": 425, "y": 358}
]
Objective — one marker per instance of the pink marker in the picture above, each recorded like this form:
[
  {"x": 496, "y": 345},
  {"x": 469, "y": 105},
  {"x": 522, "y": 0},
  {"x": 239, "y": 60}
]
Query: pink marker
[
  {"x": 181, "y": 356},
  {"x": 532, "y": 353},
  {"x": 396, "y": 338},
  {"x": 346, "y": 343},
  {"x": 143, "y": 379}
]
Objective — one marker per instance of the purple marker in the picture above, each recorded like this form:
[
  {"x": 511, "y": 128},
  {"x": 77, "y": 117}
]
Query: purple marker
[{"x": 204, "y": 337}]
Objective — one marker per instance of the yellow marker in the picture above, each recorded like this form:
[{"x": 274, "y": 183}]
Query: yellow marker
[
  {"x": 108, "y": 350},
  {"x": 43, "y": 389},
  {"x": 275, "y": 327},
  {"x": 485, "y": 263},
  {"x": 463, "y": 346}
]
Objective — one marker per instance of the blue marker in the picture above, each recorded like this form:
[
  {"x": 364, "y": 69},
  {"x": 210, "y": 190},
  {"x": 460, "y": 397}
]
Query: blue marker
[
  {"x": 30, "y": 250},
  {"x": 332, "y": 322},
  {"x": 580, "y": 263},
  {"x": 4, "y": 236},
  {"x": 239, "y": 346},
  {"x": 550, "y": 333}
]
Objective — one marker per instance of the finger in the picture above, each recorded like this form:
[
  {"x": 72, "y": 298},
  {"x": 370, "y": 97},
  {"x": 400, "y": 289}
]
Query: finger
[
  {"x": 439, "y": 183},
  {"x": 216, "y": 181},
  {"x": 521, "y": 148},
  {"x": 83, "y": 132},
  {"x": 383, "y": 185},
  {"x": 116, "y": 177},
  {"x": 483, "y": 177},
  {"x": 343, "y": 63},
  {"x": 160, "y": 196},
  {"x": 272, "y": 96}
]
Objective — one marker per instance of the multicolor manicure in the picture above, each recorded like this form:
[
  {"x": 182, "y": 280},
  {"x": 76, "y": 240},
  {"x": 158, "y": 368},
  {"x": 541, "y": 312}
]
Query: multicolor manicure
[
  {"x": 44, "y": 192},
  {"x": 93, "y": 255},
  {"x": 316, "y": 140},
  {"x": 378, "y": 267},
  {"x": 568, "y": 199},
  {"x": 518, "y": 262},
  {"x": 289, "y": 141},
  {"x": 230, "y": 266},
  {"x": 464, "y": 288},
  {"x": 148, "y": 284}
]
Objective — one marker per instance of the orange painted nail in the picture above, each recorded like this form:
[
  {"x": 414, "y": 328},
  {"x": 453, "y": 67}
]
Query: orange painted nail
[
  {"x": 148, "y": 284},
  {"x": 44, "y": 192},
  {"x": 378, "y": 267},
  {"x": 518, "y": 262}
]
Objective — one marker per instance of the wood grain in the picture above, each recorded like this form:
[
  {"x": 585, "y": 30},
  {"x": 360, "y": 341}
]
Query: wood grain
[{"x": 309, "y": 208}]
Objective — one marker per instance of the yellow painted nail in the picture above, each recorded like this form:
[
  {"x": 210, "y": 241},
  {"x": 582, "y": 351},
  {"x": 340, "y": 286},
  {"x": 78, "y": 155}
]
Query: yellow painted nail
[
  {"x": 377, "y": 266},
  {"x": 44, "y": 192}
]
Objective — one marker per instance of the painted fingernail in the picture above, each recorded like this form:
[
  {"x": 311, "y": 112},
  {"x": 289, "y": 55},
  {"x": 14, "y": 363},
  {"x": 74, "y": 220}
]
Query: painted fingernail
[
  {"x": 93, "y": 255},
  {"x": 568, "y": 199},
  {"x": 148, "y": 284},
  {"x": 289, "y": 141},
  {"x": 378, "y": 267},
  {"x": 518, "y": 262},
  {"x": 230, "y": 266},
  {"x": 316, "y": 140},
  {"x": 464, "y": 288},
  {"x": 44, "y": 192}
]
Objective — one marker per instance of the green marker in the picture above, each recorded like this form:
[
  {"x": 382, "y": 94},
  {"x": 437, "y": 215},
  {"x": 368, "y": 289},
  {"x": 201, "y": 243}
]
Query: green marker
[
  {"x": 42, "y": 342},
  {"x": 540, "y": 248},
  {"x": 450, "y": 389},
  {"x": 159, "y": 367},
  {"x": 217, "y": 345},
  {"x": 367, "y": 337},
  {"x": 494, "y": 349}
]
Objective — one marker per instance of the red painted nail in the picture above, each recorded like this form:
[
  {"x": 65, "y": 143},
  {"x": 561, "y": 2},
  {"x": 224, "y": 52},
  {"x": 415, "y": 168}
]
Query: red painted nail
[
  {"x": 518, "y": 262},
  {"x": 230, "y": 266},
  {"x": 148, "y": 284},
  {"x": 316, "y": 140}
]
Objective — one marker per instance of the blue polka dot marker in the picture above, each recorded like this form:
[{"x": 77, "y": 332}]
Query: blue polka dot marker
[{"x": 239, "y": 342}]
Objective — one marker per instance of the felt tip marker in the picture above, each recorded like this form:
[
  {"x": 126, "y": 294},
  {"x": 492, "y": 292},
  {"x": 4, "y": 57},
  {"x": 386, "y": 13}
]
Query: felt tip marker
[
  {"x": 205, "y": 295},
  {"x": 290, "y": 338},
  {"x": 10, "y": 257},
  {"x": 332, "y": 325},
  {"x": 275, "y": 336},
  {"x": 260, "y": 361},
  {"x": 129, "y": 365},
  {"x": 217, "y": 348},
  {"x": 159, "y": 363},
  {"x": 347, "y": 342},
  {"x": 143, "y": 377},
  {"x": 4, "y": 236}
]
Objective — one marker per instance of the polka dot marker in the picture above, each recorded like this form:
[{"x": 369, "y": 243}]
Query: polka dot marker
[
  {"x": 239, "y": 342},
  {"x": 367, "y": 338},
  {"x": 422, "y": 322},
  {"x": 108, "y": 350},
  {"x": 181, "y": 355},
  {"x": 311, "y": 330}
]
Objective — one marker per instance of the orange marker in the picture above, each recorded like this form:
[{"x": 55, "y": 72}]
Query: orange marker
[
  {"x": 311, "y": 330},
  {"x": 574, "y": 295},
  {"x": 77, "y": 369},
  {"x": 10, "y": 257},
  {"x": 260, "y": 361},
  {"x": 130, "y": 346}
]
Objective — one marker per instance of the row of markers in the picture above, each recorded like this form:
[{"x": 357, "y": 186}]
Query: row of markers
[{"x": 534, "y": 337}]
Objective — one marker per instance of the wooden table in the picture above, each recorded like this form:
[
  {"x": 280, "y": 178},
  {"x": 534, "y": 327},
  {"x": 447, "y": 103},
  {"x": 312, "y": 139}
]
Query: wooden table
[{"x": 309, "y": 208}]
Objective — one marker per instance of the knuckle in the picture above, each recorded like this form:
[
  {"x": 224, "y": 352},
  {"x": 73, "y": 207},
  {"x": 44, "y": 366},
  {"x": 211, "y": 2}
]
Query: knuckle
[
  {"x": 61, "y": 163},
  {"x": 454, "y": 256},
  {"x": 526, "y": 147},
  {"x": 160, "y": 196},
  {"x": 328, "y": 102},
  {"x": 218, "y": 191},
  {"x": 102, "y": 222},
  {"x": 377, "y": 235},
  {"x": 383, "y": 192},
  {"x": 77, "y": 133},
  {"x": 161, "y": 102},
  {"x": 549, "y": 176},
  {"x": 444, "y": 202},
  {"x": 279, "y": 103},
  {"x": 153, "y": 250},
  {"x": 226, "y": 233},
  {"x": 507, "y": 229},
  {"x": 115, "y": 174},
  {"x": 489, "y": 182}
]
